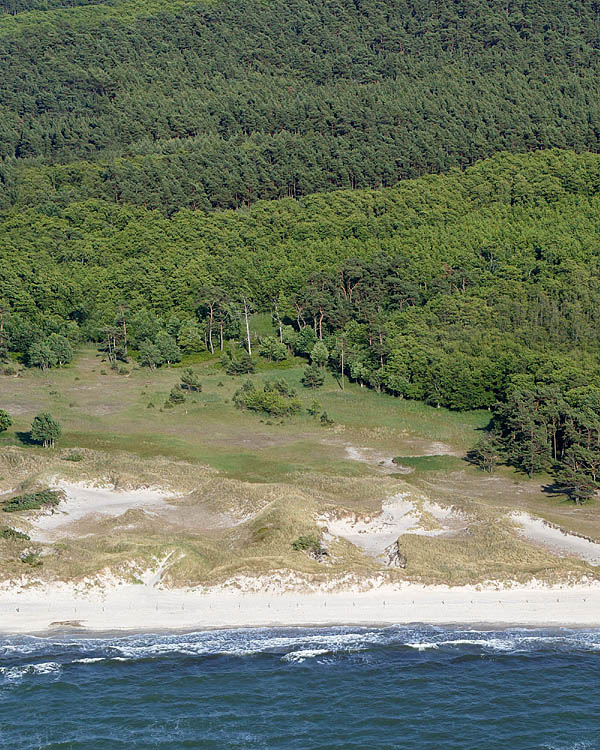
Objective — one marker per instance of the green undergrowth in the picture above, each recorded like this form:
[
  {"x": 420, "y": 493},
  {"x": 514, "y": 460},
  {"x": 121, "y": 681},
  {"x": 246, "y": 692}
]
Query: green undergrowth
[
  {"x": 14, "y": 535},
  {"x": 33, "y": 501},
  {"x": 430, "y": 463}
]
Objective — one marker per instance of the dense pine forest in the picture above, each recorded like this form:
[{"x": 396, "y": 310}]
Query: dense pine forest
[
  {"x": 449, "y": 288},
  {"x": 215, "y": 105}
]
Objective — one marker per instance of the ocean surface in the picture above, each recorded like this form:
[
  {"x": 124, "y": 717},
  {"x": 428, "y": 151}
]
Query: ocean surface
[{"x": 413, "y": 688}]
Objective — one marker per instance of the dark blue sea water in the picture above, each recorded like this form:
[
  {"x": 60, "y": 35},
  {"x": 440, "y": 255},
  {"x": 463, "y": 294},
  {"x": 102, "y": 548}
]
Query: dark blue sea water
[{"x": 353, "y": 688}]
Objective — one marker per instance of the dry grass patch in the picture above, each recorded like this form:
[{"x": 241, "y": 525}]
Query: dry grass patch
[
  {"x": 24, "y": 467},
  {"x": 359, "y": 493},
  {"x": 490, "y": 550}
]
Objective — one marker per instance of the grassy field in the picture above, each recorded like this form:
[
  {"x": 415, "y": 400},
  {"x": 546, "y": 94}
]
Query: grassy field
[
  {"x": 100, "y": 409},
  {"x": 273, "y": 477}
]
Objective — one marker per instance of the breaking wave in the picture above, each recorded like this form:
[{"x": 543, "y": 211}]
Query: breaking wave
[
  {"x": 292, "y": 645},
  {"x": 11, "y": 674}
]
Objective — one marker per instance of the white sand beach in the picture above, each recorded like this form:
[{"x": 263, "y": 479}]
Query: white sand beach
[{"x": 149, "y": 606}]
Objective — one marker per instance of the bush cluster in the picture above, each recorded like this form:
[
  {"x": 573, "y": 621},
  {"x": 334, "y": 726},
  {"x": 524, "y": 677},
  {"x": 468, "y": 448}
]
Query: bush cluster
[
  {"x": 275, "y": 398},
  {"x": 33, "y": 501},
  {"x": 13, "y": 534}
]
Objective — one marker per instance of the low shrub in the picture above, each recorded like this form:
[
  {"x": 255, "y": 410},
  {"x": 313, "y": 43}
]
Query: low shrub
[
  {"x": 75, "y": 457},
  {"x": 313, "y": 377},
  {"x": 304, "y": 543},
  {"x": 312, "y": 546},
  {"x": 31, "y": 559},
  {"x": 238, "y": 363},
  {"x": 5, "y": 420},
  {"x": 176, "y": 396},
  {"x": 314, "y": 408},
  {"x": 12, "y": 534},
  {"x": 33, "y": 501}
]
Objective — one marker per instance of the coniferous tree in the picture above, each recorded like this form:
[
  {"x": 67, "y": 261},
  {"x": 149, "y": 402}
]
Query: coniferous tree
[{"x": 313, "y": 376}]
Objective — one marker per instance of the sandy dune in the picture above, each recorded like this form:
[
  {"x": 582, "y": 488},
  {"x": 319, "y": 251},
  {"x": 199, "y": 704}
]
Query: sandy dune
[
  {"x": 556, "y": 540},
  {"x": 374, "y": 533},
  {"x": 84, "y": 501}
]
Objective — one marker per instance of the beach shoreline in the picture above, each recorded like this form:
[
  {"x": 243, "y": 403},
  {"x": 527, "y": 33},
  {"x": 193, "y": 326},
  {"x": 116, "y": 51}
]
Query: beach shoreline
[{"x": 125, "y": 607}]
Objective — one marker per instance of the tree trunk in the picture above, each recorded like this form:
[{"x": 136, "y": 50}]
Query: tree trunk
[
  {"x": 210, "y": 327},
  {"x": 279, "y": 324},
  {"x": 247, "y": 326}
]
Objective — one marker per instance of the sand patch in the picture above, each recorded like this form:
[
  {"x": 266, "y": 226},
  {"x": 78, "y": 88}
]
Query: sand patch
[
  {"x": 152, "y": 576},
  {"x": 439, "y": 449},
  {"x": 375, "y": 533},
  {"x": 374, "y": 458},
  {"x": 385, "y": 463},
  {"x": 86, "y": 501},
  {"x": 556, "y": 540}
]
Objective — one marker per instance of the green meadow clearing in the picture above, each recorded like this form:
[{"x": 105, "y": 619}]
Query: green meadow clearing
[{"x": 100, "y": 409}]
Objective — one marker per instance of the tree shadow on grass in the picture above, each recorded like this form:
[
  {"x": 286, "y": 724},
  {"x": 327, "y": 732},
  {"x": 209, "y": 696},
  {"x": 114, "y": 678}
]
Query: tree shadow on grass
[
  {"x": 553, "y": 489},
  {"x": 489, "y": 427},
  {"x": 25, "y": 438},
  {"x": 569, "y": 494}
]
